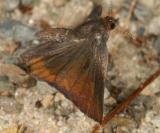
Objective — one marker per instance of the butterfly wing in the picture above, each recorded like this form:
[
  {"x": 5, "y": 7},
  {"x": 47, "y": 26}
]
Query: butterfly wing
[{"x": 72, "y": 69}]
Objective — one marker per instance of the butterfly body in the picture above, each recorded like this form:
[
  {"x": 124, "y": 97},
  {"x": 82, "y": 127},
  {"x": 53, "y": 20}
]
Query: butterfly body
[{"x": 75, "y": 62}]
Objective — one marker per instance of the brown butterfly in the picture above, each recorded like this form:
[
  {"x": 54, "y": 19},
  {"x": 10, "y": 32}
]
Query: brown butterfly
[{"x": 75, "y": 62}]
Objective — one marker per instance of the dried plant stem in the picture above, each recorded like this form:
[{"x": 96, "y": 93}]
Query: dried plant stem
[
  {"x": 131, "y": 10},
  {"x": 125, "y": 103}
]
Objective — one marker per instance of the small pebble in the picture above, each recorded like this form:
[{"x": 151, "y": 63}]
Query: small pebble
[
  {"x": 11, "y": 129},
  {"x": 12, "y": 59},
  {"x": 47, "y": 101},
  {"x": 64, "y": 104},
  {"x": 17, "y": 31},
  {"x": 6, "y": 88},
  {"x": 80, "y": 8},
  {"x": 20, "y": 78},
  {"x": 156, "y": 121},
  {"x": 8, "y": 46},
  {"x": 59, "y": 97},
  {"x": 20, "y": 95},
  {"x": 154, "y": 26},
  {"x": 10, "y": 106},
  {"x": 59, "y": 3},
  {"x": 11, "y": 4},
  {"x": 45, "y": 88},
  {"x": 4, "y": 78},
  {"x": 27, "y": 2},
  {"x": 143, "y": 13}
]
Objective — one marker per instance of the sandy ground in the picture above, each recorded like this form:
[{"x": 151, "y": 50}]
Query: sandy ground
[{"x": 31, "y": 106}]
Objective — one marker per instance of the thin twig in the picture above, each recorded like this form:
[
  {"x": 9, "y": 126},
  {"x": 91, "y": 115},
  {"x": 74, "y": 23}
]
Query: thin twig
[
  {"x": 125, "y": 103},
  {"x": 131, "y": 10}
]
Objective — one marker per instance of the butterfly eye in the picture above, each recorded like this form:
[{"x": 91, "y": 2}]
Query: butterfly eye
[
  {"x": 110, "y": 22},
  {"x": 112, "y": 25}
]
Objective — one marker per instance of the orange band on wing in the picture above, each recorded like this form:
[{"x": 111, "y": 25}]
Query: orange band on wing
[{"x": 38, "y": 69}]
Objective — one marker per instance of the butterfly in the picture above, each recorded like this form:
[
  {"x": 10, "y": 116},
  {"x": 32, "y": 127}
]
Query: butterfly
[{"x": 75, "y": 61}]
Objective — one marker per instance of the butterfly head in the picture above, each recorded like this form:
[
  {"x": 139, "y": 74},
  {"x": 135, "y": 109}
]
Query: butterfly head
[{"x": 110, "y": 23}]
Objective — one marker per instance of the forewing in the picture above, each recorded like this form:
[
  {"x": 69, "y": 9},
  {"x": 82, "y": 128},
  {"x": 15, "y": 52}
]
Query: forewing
[{"x": 73, "y": 70}]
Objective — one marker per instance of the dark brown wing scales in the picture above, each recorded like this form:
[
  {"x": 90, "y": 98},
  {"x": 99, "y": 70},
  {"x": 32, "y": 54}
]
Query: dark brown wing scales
[{"x": 73, "y": 71}]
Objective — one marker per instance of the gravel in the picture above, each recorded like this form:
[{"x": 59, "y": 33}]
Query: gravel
[{"x": 28, "y": 105}]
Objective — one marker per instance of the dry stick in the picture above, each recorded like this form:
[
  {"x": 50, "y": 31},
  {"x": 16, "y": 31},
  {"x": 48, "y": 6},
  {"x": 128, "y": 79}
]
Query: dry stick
[
  {"x": 125, "y": 103},
  {"x": 131, "y": 10},
  {"x": 125, "y": 30}
]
